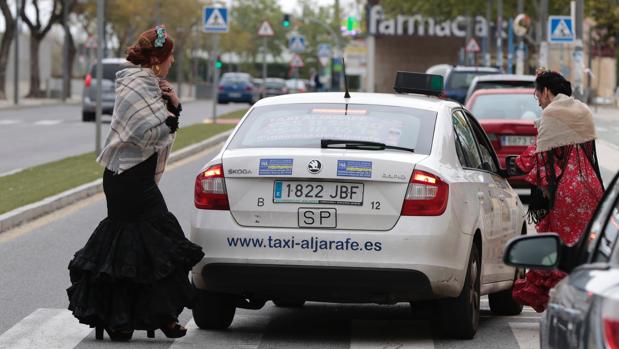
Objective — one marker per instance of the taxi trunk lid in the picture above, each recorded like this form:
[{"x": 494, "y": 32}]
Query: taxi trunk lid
[{"x": 317, "y": 188}]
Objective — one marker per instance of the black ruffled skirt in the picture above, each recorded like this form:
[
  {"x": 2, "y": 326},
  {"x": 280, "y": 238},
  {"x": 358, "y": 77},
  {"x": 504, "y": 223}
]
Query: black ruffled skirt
[{"x": 133, "y": 271}]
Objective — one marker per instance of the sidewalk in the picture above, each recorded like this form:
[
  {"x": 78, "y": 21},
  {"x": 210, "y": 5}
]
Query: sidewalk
[{"x": 36, "y": 102}]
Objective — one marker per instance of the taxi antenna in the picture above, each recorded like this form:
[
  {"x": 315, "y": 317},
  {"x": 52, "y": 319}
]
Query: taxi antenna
[{"x": 346, "y": 94}]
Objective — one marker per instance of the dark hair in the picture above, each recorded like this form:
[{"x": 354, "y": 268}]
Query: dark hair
[
  {"x": 553, "y": 81},
  {"x": 144, "y": 50}
]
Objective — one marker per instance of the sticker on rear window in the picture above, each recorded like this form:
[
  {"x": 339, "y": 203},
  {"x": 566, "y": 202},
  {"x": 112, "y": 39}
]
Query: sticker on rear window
[
  {"x": 275, "y": 167},
  {"x": 348, "y": 168}
]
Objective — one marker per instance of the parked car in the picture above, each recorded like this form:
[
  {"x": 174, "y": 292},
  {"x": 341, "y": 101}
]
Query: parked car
[
  {"x": 507, "y": 116},
  {"x": 459, "y": 78},
  {"x": 485, "y": 82},
  {"x": 108, "y": 93},
  {"x": 376, "y": 198},
  {"x": 275, "y": 87},
  {"x": 439, "y": 69},
  {"x": 259, "y": 84},
  {"x": 237, "y": 87},
  {"x": 296, "y": 86},
  {"x": 583, "y": 311}
]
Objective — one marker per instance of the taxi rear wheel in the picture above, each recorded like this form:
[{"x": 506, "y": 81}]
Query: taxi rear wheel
[
  {"x": 459, "y": 317},
  {"x": 502, "y": 303},
  {"x": 213, "y": 310}
]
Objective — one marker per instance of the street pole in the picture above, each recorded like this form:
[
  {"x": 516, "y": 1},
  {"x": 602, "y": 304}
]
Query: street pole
[
  {"x": 65, "y": 52},
  {"x": 520, "y": 50},
  {"x": 469, "y": 35},
  {"x": 487, "y": 38},
  {"x": 16, "y": 53},
  {"x": 100, "y": 31},
  {"x": 578, "y": 54},
  {"x": 215, "y": 76},
  {"x": 499, "y": 34},
  {"x": 264, "y": 59},
  {"x": 340, "y": 48}
]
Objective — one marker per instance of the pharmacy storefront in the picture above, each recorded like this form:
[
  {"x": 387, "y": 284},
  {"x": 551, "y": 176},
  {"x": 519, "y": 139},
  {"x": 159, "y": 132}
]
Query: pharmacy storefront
[{"x": 413, "y": 43}]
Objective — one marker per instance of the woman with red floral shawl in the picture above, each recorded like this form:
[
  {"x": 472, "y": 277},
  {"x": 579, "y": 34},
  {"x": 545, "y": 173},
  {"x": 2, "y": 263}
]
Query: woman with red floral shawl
[{"x": 563, "y": 168}]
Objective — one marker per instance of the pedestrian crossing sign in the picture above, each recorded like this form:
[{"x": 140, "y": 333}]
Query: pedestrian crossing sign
[
  {"x": 296, "y": 43},
  {"x": 265, "y": 29},
  {"x": 561, "y": 29},
  {"x": 215, "y": 19},
  {"x": 296, "y": 61}
]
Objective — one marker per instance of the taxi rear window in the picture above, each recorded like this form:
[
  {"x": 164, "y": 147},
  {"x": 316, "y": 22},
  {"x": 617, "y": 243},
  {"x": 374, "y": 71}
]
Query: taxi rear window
[{"x": 304, "y": 125}]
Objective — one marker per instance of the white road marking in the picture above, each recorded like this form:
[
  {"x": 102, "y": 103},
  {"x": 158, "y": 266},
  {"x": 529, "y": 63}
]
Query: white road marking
[
  {"x": 526, "y": 334},
  {"x": 386, "y": 334},
  {"x": 8, "y": 173},
  {"x": 47, "y": 122},
  {"x": 245, "y": 333},
  {"x": 9, "y": 122},
  {"x": 601, "y": 129},
  {"x": 45, "y": 328}
]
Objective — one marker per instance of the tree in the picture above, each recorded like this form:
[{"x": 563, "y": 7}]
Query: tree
[
  {"x": 66, "y": 24},
  {"x": 37, "y": 34},
  {"x": 5, "y": 44}
]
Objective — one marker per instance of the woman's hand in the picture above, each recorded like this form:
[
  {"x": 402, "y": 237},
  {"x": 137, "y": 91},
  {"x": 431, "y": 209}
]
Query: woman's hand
[{"x": 168, "y": 92}]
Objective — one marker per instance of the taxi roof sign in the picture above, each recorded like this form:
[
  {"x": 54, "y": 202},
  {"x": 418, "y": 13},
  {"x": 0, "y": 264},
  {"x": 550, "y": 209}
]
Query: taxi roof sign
[{"x": 426, "y": 84}]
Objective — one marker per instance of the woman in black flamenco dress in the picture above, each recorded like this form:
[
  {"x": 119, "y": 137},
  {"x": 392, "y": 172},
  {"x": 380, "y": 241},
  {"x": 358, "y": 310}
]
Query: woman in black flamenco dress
[{"x": 132, "y": 274}]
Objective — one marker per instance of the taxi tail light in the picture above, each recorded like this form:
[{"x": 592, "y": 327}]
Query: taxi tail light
[
  {"x": 88, "y": 80},
  {"x": 610, "y": 317},
  {"x": 426, "y": 195},
  {"x": 210, "y": 189}
]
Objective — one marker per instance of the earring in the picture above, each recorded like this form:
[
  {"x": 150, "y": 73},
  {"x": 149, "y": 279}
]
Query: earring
[{"x": 156, "y": 69}]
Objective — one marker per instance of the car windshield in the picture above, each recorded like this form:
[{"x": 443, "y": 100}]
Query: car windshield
[
  {"x": 109, "y": 70},
  {"x": 516, "y": 106},
  {"x": 461, "y": 80},
  {"x": 275, "y": 84},
  {"x": 305, "y": 125},
  {"x": 503, "y": 84}
]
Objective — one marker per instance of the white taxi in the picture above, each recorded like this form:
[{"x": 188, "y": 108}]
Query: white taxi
[{"x": 375, "y": 198}]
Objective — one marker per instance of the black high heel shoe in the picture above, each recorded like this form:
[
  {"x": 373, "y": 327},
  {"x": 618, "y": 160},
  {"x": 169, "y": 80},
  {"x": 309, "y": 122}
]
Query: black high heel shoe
[
  {"x": 176, "y": 331},
  {"x": 115, "y": 336}
]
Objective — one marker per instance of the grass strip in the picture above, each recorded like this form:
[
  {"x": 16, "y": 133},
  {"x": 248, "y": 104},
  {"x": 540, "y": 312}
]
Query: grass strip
[
  {"x": 233, "y": 115},
  {"x": 36, "y": 183}
]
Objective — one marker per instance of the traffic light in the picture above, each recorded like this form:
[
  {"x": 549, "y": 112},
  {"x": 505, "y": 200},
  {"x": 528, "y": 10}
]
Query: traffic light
[
  {"x": 218, "y": 63},
  {"x": 286, "y": 21},
  {"x": 351, "y": 23}
]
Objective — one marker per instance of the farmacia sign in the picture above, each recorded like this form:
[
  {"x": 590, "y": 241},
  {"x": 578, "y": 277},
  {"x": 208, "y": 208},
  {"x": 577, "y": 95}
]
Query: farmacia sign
[{"x": 418, "y": 25}]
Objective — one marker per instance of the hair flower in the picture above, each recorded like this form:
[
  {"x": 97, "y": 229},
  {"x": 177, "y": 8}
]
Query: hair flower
[{"x": 161, "y": 36}]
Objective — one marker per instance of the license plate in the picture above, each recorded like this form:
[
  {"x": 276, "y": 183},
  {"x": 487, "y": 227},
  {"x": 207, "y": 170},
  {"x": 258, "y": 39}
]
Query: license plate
[
  {"x": 234, "y": 95},
  {"x": 317, "y": 217},
  {"x": 306, "y": 192},
  {"x": 517, "y": 140}
]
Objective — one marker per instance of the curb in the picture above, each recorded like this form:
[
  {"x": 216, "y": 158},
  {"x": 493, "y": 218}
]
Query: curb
[
  {"x": 39, "y": 105},
  {"x": 21, "y": 215}
]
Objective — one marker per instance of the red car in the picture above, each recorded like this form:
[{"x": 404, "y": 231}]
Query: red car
[{"x": 507, "y": 116}]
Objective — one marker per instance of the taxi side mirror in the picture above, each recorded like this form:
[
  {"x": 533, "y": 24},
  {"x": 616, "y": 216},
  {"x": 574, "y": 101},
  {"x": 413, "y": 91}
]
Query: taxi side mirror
[{"x": 540, "y": 251}]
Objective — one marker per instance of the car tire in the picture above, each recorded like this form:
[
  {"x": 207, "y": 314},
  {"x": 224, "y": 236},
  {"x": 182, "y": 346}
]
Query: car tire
[
  {"x": 459, "y": 317},
  {"x": 88, "y": 116},
  {"x": 287, "y": 303},
  {"x": 213, "y": 311}
]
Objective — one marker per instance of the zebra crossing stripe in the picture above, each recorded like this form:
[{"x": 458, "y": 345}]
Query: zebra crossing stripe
[
  {"x": 401, "y": 334},
  {"x": 526, "y": 334},
  {"x": 47, "y": 122},
  {"x": 9, "y": 122},
  {"x": 45, "y": 328}
]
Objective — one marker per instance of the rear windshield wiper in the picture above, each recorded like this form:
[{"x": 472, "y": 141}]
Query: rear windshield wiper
[{"x": 354, "y": 144}]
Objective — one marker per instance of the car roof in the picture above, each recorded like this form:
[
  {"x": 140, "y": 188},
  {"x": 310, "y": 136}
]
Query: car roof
[
  {"x": 397, "y": 100},
  {"x": 503, "y": 91},
  {"x": 504, "y": 77},
  {"x": 114, "y": 61},
  {"x": 460, "y": 68}
]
